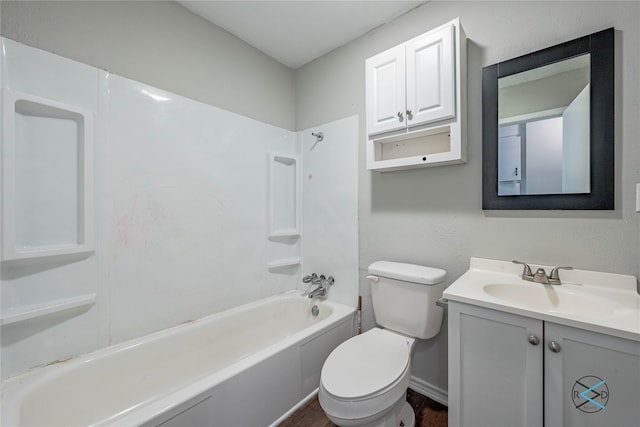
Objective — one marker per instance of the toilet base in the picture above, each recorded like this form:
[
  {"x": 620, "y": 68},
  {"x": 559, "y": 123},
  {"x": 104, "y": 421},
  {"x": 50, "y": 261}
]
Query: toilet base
[
  {"x": 401, "y": 415},
  {"x": 407, "y": 417}
]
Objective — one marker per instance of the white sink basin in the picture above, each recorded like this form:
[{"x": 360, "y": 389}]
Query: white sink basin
[
  {"x": 549, "y": 298},
  {"x": 602, "y": 302}
]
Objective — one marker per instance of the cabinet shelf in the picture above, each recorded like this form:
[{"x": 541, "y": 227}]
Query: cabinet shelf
[{"x": 434, "y": 146}]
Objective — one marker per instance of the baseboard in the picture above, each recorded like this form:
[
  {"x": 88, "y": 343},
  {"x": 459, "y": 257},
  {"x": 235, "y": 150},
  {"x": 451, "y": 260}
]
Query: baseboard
[{"x": 429, "y": 390}]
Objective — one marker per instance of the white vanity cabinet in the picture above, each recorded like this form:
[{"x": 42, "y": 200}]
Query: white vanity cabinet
[
  {"x": 495, "y": 374},
  {"x": 602, "y": 368},
  {"x": 416, "y": 101},
  {"x": 508, "y": 370}
]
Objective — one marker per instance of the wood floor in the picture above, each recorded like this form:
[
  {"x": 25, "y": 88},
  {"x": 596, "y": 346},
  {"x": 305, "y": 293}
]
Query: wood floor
[{"x": 428, "y": 413}]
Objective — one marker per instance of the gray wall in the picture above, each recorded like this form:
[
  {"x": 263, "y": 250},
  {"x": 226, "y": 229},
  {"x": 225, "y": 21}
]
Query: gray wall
[
  {"x": 434, "y": 216},
  {"x": 162, "y": 44}
]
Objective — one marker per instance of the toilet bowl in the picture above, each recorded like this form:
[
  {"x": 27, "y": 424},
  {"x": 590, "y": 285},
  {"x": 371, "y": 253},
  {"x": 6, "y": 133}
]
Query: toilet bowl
[{"x": 364, "y": 380}]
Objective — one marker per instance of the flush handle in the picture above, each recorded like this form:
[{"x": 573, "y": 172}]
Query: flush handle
[
  {"x": 554, "y": 347},
  {"x": 533, "y": 340},
  {"x": 374, "y": 279}
]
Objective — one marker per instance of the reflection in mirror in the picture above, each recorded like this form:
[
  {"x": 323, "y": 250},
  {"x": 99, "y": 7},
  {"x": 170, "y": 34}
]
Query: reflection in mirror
[
  {"x": 548, "y": 128},
  {"x": 543, "y": 129}
]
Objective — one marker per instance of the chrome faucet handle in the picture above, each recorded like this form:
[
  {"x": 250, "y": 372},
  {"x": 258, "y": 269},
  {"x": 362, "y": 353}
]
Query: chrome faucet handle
[
  {"x": 309, "y": 278},
  {"x": 554, "y": 277},
  {"x": 318, "y": 280},
  {"x": 330, "y": 281},
  {"x": 526, "y": 271}
]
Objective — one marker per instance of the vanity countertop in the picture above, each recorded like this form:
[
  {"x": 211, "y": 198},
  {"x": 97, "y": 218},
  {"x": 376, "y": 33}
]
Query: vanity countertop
[{"x": 601, "y": 302}]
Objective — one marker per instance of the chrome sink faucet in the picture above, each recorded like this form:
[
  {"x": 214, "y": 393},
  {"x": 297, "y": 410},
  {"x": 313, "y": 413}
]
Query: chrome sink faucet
[
  {"x": 540, "y": 276},
  {"x": 323, "y": 283}
]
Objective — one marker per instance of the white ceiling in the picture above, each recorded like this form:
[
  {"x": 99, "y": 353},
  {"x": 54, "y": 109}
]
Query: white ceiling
[{"x": 296, "y": 32}]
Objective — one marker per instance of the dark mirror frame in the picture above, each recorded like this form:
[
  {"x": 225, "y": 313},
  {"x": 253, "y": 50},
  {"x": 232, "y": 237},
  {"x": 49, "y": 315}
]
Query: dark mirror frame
[{"x": 601, "y": 47}]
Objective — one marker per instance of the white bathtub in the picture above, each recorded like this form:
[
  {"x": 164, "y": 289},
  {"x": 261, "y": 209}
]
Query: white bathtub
[{"x": 248, "y": 366}]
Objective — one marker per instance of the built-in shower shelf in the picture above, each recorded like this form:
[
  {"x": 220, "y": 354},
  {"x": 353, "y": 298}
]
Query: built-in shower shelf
[
  {"x": 284, "y": 263},
  {"x": 284, "y": 233},
  {"x": 20, "y": 314}
]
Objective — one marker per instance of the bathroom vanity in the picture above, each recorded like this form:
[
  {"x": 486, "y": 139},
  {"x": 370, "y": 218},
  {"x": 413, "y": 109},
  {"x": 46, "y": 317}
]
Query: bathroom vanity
[{"x": 525, "y": 353}]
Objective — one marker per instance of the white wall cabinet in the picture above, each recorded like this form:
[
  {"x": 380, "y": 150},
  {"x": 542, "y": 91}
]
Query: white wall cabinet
[
  {"x": 386, "y": 91},
  {"x": 431, "y": 77},
  {"x": 507, "y": 370},
  {"x": 416, "y": 101}
]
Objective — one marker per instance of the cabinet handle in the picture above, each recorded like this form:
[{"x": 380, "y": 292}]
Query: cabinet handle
[
  {"x": 400, "y": 118},
  {"x": 534, "y": 340},
  {"x": 409, "y": 115},
  {"x": 554, "y": 347}
]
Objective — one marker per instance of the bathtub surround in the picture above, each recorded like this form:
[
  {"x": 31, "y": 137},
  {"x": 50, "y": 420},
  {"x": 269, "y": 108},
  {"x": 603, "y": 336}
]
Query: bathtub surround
[
  {"x": 330, "y": 205},
  {"x": 181, "y": 202}
]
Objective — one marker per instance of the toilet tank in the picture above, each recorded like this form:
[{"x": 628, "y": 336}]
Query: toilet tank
[{"x": 404, "y": 297}]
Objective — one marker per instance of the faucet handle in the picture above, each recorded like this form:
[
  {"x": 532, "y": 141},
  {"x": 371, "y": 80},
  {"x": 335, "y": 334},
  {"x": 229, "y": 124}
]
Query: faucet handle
[
  {"x": 526, "y": 271},
  {"x": 554, "y": 277},
  {"x": 309, "y": 278},
  {"x": 330, "y": 281}
]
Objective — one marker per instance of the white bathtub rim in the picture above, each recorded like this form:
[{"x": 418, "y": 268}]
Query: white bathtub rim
[
  {"x": 159, "y": 405},
  {"x": 15, "y": 389}
]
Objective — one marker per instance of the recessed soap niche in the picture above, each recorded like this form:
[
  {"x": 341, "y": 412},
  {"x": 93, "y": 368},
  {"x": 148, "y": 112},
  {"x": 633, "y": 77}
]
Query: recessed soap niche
[
  {"x": 47, "y": 185},
  {"x": 283, "y": 195},
  {"x": 284, "y": 206}
]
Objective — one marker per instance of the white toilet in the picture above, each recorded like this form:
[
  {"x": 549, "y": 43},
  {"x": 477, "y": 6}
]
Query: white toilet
[{"x": 365, "y": 379}]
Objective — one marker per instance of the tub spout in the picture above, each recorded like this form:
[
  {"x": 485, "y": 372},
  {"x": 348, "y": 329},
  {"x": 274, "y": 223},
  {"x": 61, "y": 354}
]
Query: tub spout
[{"x": 318, "y": 292}]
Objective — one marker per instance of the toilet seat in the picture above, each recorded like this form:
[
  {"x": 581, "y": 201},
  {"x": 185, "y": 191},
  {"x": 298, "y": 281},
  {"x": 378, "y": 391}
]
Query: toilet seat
[
  {"x": 365, "y": 365},
  {"x": 365, "y": 377}
]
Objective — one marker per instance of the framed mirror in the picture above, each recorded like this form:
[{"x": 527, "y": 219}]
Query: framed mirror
[{"x": 548, "y": 128}]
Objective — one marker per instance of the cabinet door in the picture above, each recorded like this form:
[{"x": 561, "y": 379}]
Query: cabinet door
[
  {"x": 590, "y": 379},
  {"x": 385, "y": 84},
  {"x": 495, "y": 372},
  {"x": 431, "y": 77}
]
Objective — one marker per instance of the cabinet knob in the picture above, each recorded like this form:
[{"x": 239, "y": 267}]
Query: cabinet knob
[
  {"x": 554, "y": 347},
  {"x": 400, "y": 116},
  {"x": 409, "y": 115},
  {"x": 534, "y": 340}
]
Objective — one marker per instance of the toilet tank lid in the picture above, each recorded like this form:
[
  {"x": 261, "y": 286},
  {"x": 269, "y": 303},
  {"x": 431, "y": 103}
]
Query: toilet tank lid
[{"x": 408, "y": 272}]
